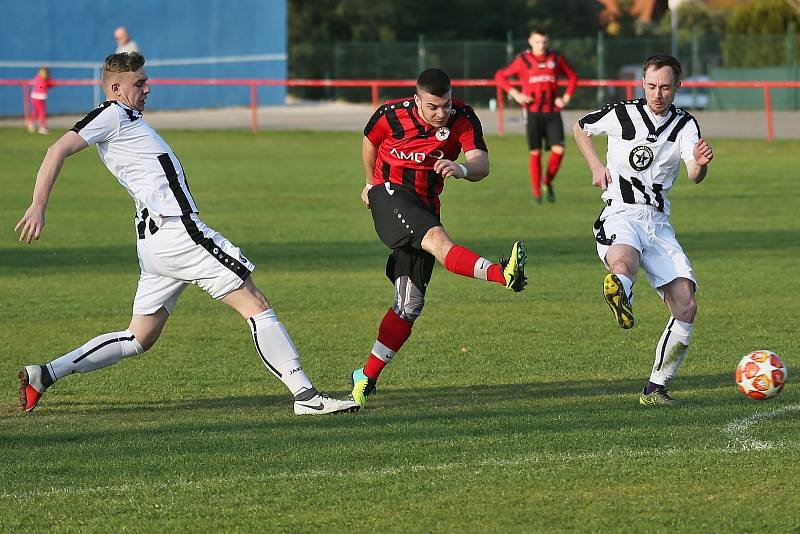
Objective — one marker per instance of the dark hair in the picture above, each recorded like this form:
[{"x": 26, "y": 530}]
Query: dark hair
[
  {"x": 538, "y": 30},
  {"x": 433, "y": 81},
  {"x": 662, "y": 60},
  {"x": 123, "y": 62}
]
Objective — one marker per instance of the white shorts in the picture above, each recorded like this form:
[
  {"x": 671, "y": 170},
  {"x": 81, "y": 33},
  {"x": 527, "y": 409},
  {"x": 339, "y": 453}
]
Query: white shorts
[
  {"x": 649, "y": 231},
  {"x": 183, "y": 251}
]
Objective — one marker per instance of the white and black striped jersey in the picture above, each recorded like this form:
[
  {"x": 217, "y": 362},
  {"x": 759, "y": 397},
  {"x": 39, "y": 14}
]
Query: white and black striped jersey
[
  {"x": 139, "y": 158},
  {"x": 644, "y": 150}
]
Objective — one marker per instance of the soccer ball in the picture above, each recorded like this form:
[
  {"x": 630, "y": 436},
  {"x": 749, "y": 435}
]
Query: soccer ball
[{"x": 761, "y": 374}]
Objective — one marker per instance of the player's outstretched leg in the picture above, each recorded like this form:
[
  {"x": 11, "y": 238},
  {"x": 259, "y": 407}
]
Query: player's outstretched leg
[
  {"x": 618, "y": 300},
  {"x": 101, "y": 351},
  {"x": 510, "y": 273}
]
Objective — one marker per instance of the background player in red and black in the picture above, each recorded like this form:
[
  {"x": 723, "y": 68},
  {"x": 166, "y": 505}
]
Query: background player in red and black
[
  {"x": 538, "y": 70},
  {"x": 408, "y": 151}
]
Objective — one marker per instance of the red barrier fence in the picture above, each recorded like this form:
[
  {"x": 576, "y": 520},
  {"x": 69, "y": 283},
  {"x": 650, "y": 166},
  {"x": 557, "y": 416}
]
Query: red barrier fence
[{"x": 375, "y": 86}]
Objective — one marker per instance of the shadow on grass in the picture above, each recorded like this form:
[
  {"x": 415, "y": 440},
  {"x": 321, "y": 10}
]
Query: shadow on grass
[
  {"x": 310, "y": 255},
  {"x": 595, "y": 400}
]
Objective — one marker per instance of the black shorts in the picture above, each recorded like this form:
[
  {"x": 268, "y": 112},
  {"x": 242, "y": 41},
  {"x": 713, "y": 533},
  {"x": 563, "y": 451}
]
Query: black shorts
[
  {"x": 544, "y": 125},
  {"x": 401, "y": 221}
]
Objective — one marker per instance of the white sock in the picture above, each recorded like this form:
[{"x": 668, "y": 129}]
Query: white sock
[
  {"x": 102, "y": 351},
  {"x": 277, "y": 351},
  {"x": 670, "y": 351},
  {"x": 627, "y": 286}
]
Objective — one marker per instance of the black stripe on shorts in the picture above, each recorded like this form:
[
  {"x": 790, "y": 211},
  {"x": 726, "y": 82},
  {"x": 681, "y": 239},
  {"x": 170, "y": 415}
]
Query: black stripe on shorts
[{"x": 207, "y": 243}]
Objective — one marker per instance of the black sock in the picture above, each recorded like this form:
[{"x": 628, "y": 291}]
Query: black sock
[
  {"x": 651, "y": 387},
  {"x": 47, "y": 380},
  {"x": 306, "y": 394}
]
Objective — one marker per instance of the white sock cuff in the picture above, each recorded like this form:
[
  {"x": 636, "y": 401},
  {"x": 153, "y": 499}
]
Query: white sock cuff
[
  {"x": 382, "y": 352},
  {"x": 627, "y": 284},
  {"x": 130, "y": 345},
  {"x": 480, "y": 268},
  {"x": 262, "y": 319},
  {"x": 679, "y": 328}
]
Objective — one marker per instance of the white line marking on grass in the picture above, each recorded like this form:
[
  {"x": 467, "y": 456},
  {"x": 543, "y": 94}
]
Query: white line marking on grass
[
  {"x": 536, "y": 459},
  {"x": 737, "y": 430},
  {"x": 476, "y": 466}
]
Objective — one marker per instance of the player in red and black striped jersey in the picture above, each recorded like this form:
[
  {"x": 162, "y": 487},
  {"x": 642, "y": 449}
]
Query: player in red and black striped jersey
[
  {"x": 409, "y": 148},
  {"x": 538, "y": 71}
]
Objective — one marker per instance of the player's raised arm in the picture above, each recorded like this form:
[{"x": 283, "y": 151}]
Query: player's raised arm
[
  {"x": 31, "y": 224},
  {"x": 698, "y": 168}
]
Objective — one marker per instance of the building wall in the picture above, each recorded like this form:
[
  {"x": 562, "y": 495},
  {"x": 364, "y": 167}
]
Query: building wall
[{"x": 82, "y": 31}]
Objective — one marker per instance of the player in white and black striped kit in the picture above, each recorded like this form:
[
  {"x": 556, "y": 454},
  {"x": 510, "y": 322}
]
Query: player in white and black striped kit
[
  {"x": 174, "y": 246},
  {"x": 647, "y": 138}
]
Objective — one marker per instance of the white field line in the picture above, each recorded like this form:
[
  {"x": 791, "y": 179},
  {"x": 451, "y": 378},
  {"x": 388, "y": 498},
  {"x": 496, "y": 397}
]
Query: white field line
[
  {"x": 475, "y": 467},
  {"x": 737, "y": 430}
]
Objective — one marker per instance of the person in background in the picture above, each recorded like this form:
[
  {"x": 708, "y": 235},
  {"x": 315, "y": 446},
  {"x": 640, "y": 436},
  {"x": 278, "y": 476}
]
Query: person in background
[
  {"x": 41, "y": 83},
  {"x": 124, "y": 41},
  {"x": 538, "y": 70}
]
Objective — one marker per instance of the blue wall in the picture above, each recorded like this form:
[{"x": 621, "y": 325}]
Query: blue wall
[{"x": 82, "y": 31}]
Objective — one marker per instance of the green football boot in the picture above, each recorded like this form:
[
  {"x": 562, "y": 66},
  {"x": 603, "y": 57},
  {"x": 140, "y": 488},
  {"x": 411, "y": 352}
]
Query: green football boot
[
  {"x": 657, "y": 397},
  {"x": 618, "y": 301},
  {"x": 362, "y": 386},
  {"x": 514, "y": 267}
]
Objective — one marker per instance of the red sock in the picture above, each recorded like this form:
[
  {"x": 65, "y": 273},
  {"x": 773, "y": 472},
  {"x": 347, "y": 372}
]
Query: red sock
[
  {"x": 392, "y": 333},
  {"x": 535, "y": 166},
  {"x": 461, "y": 260},
  {"x": 553, "y": 163}
]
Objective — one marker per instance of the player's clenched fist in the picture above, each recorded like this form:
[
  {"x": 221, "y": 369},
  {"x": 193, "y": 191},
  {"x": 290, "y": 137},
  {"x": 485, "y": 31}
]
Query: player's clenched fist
[
  {"x": 448, "y": 169},
  {"x": 703, "y": 153}
]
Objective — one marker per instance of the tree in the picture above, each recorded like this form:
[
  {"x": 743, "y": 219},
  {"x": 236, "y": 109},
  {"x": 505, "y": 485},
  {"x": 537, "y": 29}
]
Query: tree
[
  {"x": 314, "y": 25},
  {"x": 756, "y": 33}
]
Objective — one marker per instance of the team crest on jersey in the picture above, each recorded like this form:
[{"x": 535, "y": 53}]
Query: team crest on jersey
[
  {"x": 641, "y": 157},
  {"x": 442, "y": 133}
]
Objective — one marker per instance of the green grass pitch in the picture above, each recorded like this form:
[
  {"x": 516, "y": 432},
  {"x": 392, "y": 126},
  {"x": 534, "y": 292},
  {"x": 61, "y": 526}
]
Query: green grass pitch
[{"x": 503, "y": 413}]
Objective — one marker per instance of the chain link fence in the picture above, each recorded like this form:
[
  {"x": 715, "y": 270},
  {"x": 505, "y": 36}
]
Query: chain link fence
[{"x": 704, "y": 57}]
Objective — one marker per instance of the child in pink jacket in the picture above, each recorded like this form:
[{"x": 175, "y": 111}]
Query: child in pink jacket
[{"x": 41, "y": 83}]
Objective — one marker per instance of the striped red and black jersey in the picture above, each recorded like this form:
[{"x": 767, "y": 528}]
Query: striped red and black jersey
[
  {"x": 538, "y": 76},
  {"x": 408, "y": 147}
]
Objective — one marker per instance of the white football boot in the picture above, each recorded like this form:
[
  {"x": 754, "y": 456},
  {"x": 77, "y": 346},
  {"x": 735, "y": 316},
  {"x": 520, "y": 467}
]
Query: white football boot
[{"x": 322, "y": 404}]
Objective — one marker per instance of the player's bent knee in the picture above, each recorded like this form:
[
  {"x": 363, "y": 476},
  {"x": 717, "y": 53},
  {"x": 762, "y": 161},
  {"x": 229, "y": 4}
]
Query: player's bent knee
[
  {"x": 690, "y": 310},
  {"x": 408, "y": 299},
  {"x": 131, "y": 345}
]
